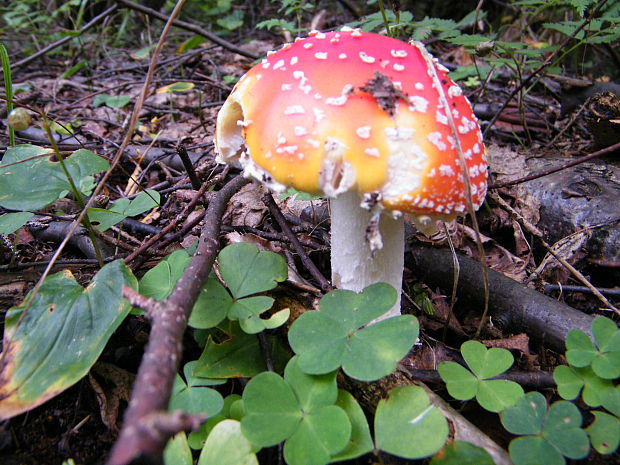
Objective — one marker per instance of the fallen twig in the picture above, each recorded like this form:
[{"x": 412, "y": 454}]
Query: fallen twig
[
  {"x": 599, "y": 153},
  {"x": 190, "y": 27},
  {"x": 299, "y": 250},
  {"x": 140, "y": 437}
]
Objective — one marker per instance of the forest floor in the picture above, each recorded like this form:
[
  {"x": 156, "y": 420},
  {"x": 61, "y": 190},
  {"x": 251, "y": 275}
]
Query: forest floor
[{"x": 82, "y": 422}]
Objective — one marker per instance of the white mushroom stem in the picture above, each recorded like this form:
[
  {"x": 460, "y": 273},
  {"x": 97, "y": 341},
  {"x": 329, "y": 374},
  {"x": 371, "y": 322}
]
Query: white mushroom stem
[{"x": 353, "y": 265}]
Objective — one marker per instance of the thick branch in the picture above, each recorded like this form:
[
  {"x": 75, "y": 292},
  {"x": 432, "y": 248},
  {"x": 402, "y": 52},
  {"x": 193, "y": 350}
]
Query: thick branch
[
  {"x": 513, "y": 306},
  {"x": 139, "y": 436}
]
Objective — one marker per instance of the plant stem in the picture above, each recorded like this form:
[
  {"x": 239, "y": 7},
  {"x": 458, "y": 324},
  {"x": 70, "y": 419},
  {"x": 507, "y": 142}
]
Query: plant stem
[
  {"x": 385, "y": 18},
  {"x": 74, "y": 189},
  {"x": 8, "y": 88}
]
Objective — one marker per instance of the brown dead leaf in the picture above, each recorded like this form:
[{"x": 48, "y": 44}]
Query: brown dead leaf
[
  {"x": 246, "y": 207},
  {"x": 118, "y": 383}
]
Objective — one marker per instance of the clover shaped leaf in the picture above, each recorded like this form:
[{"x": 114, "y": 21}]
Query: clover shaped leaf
[
  {"x": 604, "y": 357},
  {"x": 245, "y": 271},
  {"x": 338, "y": 334},
  {"x": 492, "y": 394},
  {"x": 604, "y": 433},
  {"x": 571, "y": 381},
  {"x": 408, "y": 425},
  {"x": 549, "y": 435},
  {"x": 298, "y": 409},
  {"x": 226, "y": 445}
]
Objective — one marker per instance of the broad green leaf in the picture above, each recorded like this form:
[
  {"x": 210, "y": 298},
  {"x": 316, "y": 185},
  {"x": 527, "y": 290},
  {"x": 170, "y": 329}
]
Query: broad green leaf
[
  {"x": 177, "y": 451},
  {"x": 195, "y": 399},
  {"x": 337, "y": 335},
  {"x": 528, "y": 416},
  {"x": 212, "y": 305},
  {"x": 246, "y": 270},
  {"x": 462, "y": 453},
  {"x": 311, "y": 391},
  {"x": 273, "y": 412},
  {"x": 197, "y": 439},
  {"x": 492, "y": 394},
  {"x": 323, "y": 432},
  {"x": 552, "y": 434},
  {"x": 407, "y": 425},
  {"x": 498, "y": 394},
  {"x": 158, "y": 282},
  {"x": 604, "y": 433},
  {"x": 34, "y": 183},
  {"x": 248, "y": 310},
  {"x": 611, "y": 400},
  {"x": 11, "y": 222},
  {"x": 360, "y": 442},
  {"x": 103, "y": 219},
  {"x": 115, "y": 102},
  {"x": 460, "y": 382},
  {"x": 563, "y": 430},
  {"x": 298, "y": 409},
  {"x": 534, "y": 450},
  {"x": 60, "y": 336},
  {"x": 604, "y": 357},
  {"x": 580, "y": 352},
  {"x": 198, "y": 381},
  {"x": 571, "y": 380},
  {"x": 486, "y": 363},
  {"x": 226, "y": 445},
  {"x": 239, "y": 356}
]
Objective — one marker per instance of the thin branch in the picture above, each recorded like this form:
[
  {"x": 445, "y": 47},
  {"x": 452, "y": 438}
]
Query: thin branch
[
  {"x": 299, "y": 250},
  {"x": 599, "y": 153},
  {"x": 189, "y": 27},
  {"x": 97, "y": 19},
  {"x": 548, "y": 61},
  {"x": 139, "y": 436}
]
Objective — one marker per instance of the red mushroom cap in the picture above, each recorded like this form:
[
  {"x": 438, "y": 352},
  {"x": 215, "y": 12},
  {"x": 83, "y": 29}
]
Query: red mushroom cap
[{"x": 354, "y": 110}]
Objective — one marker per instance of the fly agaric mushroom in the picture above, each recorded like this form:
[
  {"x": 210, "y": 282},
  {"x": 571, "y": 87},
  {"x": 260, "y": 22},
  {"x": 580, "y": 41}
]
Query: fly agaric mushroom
[{"x": 371, "y": 122}]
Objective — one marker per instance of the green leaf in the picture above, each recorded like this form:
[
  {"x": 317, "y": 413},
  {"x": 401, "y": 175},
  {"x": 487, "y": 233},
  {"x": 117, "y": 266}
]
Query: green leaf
[
  {"x": 299, "y": 410},
  {"x": 273, "y": 413},
  {"x": 104, "y": 219},
  {"x": 407, "y": 425},
  {"x": 460, "y": 382},
  {"x": 239, "y": 356},
  {"x": 486, "y": 363},
  {"x": 34, "y": 183},
  {"x": 195, "y": 399},
  {"x": 534, "y": 450},
  {"x": 212, "y": 305},
  {"x": 494, "y": 395},
  {"x": 552, "y": 434},
  {"x": 11, "y": 222},
  {"x": 571, "y": 380},
  {"x": 498, "y": 394},
  {"x": 605, "y": 357},
  {"x": 527, "y": 416},
  {"x": 323, "y": 432},
  {"x": 158, "y": 282},
  {"x": 337, "y": 335},
  {"x": 604, "y": 433},
  {"x": 177, "y": 451},
  {"x": 360, "y": 442},
  {"x": 611, "y": 400},
  {"x": 462, "y": 453},
  {"x": 197, "y": 439},
  {"x": 226, "y": 445},
  {"x": 110, "y": 101},
  {"x": 246, "y": 270},
  {"x": 311, "y": 391},
  {"x": 60, "y": 336},
  {"x": 175, "y": 87},
  {"x": 580, "y": 352}
]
